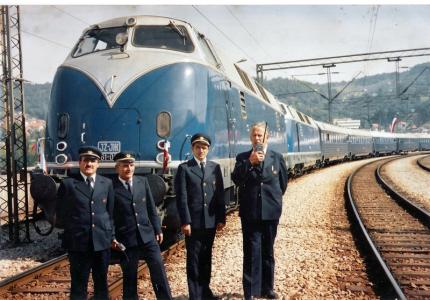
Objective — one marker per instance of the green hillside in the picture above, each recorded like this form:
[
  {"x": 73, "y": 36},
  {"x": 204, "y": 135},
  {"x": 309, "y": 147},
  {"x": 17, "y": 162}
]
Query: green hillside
[{"x": 372, "y": 99}]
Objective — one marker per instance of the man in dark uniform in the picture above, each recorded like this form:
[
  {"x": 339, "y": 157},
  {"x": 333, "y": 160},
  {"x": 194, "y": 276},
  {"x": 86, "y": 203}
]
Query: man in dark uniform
[
  {"x": 84, "y": 206},
  {"x": 138, "y": 228},
  {"x": 200, "y": 201},
  {"x": 261, "y": 175}
]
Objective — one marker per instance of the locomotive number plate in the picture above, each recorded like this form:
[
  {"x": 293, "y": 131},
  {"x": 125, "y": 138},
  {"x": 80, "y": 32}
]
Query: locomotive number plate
[{"x": 109, "y": 149}]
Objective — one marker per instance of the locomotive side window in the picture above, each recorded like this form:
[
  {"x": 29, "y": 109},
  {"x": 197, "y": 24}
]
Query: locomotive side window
[
  {"x": 95, "y": 40},
  {"x": 170, "y": 37},
  {"x": 208, "y": 51}
]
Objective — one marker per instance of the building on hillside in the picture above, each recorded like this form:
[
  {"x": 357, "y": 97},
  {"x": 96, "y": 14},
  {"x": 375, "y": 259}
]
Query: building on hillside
[{"x": 347, "y": 123}]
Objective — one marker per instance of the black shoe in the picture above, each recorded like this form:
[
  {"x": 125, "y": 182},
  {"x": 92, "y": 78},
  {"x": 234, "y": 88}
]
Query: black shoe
[
  {"x": 208, "y": 295},
  {"x": 270, "y": 295}
]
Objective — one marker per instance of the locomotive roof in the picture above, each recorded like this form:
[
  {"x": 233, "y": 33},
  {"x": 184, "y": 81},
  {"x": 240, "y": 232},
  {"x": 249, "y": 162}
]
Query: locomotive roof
[{"x": 140, "y": 20}]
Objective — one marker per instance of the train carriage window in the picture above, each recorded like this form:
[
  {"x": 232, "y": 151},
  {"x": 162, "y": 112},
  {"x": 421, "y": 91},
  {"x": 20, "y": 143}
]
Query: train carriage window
[
  {"x": 169, "y": 37},
  {"x": 96, "y": 39}
]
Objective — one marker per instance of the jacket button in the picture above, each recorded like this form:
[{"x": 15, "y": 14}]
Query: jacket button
[
  {"x": 138, "y": 224},
  {"x": 136, "y": 214},
  {"x": 204, "y": 183},
  {"x": 205, "y": 194},
  {"x": 92, "y": 214},
  {"x": 262, "y": 184},
  {"x": 94, "y": 225},
  {"x": 134, "y": 203},
  {"x": 206, "y": 204},
  {"x": 92, "y": 202}
]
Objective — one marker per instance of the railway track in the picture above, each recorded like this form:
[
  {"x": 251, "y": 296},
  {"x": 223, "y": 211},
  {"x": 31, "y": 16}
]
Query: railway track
[
  {"x": 52, "y": 279},
  {"x": 395, "y": 232},
  {"x": 424, "y": 163}
]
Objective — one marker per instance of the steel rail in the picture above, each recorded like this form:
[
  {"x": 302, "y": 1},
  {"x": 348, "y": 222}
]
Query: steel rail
[
  {"x": 421, "y": 214},
  {"x": 7, "y": 285},
  {"x": 422, "y": 165},
  {"x": 377, "y": 255}
]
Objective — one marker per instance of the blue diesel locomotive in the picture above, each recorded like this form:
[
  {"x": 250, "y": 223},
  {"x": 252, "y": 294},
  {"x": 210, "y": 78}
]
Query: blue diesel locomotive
[{"x": 147, "y": 83}]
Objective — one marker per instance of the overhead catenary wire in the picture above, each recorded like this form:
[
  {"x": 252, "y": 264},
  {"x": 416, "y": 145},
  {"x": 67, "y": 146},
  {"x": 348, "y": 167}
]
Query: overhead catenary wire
[
  {"x": 247, "y": 31},
  {"x": 70, "y": 15},
  {"x": 253, "y": 38},
  {"x": 45, "y": 39},
  {"x": 226, "y": 36}
]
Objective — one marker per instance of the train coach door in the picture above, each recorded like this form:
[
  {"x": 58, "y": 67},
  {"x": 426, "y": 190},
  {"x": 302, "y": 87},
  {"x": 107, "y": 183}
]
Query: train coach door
[{"x": 112, "y": 131}]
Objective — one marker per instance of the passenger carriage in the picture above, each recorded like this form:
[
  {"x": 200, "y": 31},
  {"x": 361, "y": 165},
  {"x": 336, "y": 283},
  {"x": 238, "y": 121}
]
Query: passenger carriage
[{"x": 384, "y": 143}]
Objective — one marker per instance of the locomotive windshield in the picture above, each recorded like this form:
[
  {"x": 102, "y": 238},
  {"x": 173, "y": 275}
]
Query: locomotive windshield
[
  {"x": 97, "y": 40},
  {"x": 171, "y": 37}
]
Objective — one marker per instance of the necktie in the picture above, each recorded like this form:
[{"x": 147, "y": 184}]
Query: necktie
[
  {"x": 202, "y": 166},
  {"x": 89, "y": 181},
  {"x": 127, "y": 183}
]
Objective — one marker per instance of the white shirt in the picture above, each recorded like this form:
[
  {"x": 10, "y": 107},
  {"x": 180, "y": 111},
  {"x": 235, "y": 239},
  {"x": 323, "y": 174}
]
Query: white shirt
[
  {"x": 124, "y": 183},
  {"x": 200, "y": 161},
  {"x": 85, "y": 178}
]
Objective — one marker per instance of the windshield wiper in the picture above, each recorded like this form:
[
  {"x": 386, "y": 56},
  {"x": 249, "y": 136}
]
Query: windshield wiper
[{"x": 176, "y": 28}]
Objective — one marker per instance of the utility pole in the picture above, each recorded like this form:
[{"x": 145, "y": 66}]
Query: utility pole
[
  {"x": 330, "y": 99},
  {"x": 397, "y": 61},
  {"x": 13, "y": 148}
]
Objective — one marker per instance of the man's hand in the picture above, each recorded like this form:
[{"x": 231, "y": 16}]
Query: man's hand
[
  {"x": 117, "y": 246},
  {"x": 159, "y": 238},
  {"x": 186, "y": 229},
  {"x": 256, "y": 157}
]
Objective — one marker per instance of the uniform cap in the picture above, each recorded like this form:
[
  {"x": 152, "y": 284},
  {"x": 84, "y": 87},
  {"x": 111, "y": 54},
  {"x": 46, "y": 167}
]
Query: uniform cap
[
  {"x": 124, "y": 156},
  {"x": 200, "y": 138},
  {"x": 90, "y": 151}
]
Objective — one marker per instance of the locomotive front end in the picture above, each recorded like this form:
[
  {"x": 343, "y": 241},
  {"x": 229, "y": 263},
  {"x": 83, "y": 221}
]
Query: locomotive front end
[{"x": 118, "y": 90}]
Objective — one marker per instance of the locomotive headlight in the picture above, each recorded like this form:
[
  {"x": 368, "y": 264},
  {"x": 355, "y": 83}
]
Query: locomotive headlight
[
  {"x": 164, "y": 124},
  {"x": 121, "y": 38},
  {"x": 131, "y": 21},
  {"x": 61, "y": 146},
  {"x": 61, "y": 159}
]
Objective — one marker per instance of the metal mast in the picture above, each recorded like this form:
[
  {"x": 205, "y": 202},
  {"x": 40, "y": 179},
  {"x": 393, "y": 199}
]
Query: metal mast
[{"x": 14, "y": 210}]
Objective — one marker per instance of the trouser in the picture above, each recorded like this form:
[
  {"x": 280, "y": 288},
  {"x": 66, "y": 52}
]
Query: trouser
[
  {"x": 199, "y": 262},
  {"x": 152, "y": 255},
  {"x": 81, "y": 263},
  {"x": 258, "y": 257}
]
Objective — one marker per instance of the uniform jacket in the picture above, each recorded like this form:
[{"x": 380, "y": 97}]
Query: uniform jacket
[
  {"x": 260, "y": 187},
  {"x": 135, "y": 213},
  {"x": 86, "y": 215},
  {"x": 200, "y": 201}
]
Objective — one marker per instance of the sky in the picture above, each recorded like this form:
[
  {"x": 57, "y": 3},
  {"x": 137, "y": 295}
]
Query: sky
[{"x": 258, "y": 33}]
